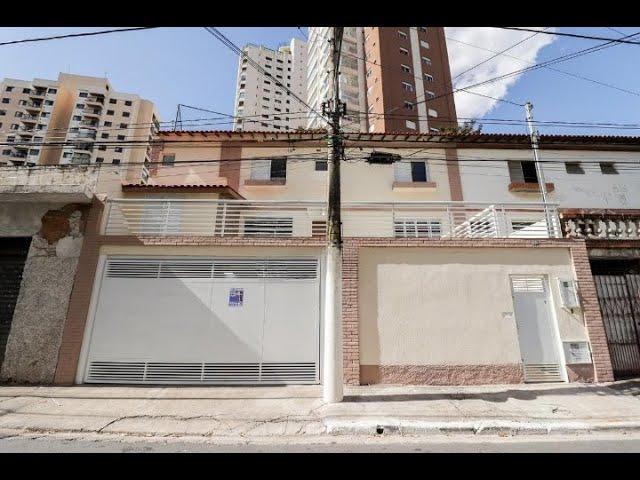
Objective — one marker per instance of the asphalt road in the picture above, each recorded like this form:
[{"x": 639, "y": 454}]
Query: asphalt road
[{"x": 568, "y": 444}]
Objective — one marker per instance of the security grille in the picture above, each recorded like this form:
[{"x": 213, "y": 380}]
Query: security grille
[{"x": 417, "y": 228}]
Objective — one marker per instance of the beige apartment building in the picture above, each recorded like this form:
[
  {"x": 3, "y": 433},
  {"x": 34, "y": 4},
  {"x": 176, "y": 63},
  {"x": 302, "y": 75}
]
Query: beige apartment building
[{"x": 75, "y": 120}]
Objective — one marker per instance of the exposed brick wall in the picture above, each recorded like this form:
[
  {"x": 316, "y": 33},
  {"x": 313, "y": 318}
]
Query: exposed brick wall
[
  {"x": 578, "y": 251},
  {"x": 591, "y": 312}
]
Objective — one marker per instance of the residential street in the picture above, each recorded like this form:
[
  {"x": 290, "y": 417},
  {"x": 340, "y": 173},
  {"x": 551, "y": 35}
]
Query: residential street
[{"x": 605, "y": 443}]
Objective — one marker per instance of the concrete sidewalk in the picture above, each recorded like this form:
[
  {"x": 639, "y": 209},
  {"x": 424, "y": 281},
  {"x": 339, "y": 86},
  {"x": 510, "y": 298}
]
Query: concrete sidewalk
[{"x": 242, "y": 412}]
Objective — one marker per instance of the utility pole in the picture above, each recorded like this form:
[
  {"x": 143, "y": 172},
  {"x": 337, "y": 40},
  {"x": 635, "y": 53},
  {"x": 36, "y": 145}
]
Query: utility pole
[
  {"x": 536, "y": 157},
  {"x": 332, "y": 378}
]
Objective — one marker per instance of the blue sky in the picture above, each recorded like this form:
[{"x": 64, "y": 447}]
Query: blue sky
[{"x": 189, "y": 66}]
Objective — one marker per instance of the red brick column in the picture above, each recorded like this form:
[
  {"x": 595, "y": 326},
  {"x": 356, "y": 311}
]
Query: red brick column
[
  {"x": 591, "y": 312},
  {"x": 350, "y": 314}
]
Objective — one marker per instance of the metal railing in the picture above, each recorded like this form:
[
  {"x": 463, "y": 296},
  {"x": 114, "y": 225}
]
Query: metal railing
[{"x": 243, "y": 218}]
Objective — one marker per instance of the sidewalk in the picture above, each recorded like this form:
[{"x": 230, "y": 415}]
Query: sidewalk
[{"x": 243, "y": 412}]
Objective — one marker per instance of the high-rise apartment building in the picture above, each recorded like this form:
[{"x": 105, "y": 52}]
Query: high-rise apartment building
[
  {"x": 393, "y": 79},
  {"x": 262, "y": 105},
  {"x": 352, "y": 80},
  {"x": 74, "y": 120}
]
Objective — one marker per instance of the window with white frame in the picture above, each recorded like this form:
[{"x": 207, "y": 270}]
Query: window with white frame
[
  {"x": 405, "y": 68},
  {"x": 432, "y": 113},
  {"x": 424, "y": 44},
  {"x": 271, "y": 169},
  {"x": 405, "y": 171},
  {"x": 407, "y": 86},
  {"x": 404, "y": 51},
  {"x": 401, "y": 34},
  {"x": 409, "y": 105},
  {"x": 429, "y": 94},
  {"x": 410, "y": 125},
  {"x": 428, "y": 78},
  {"x": 404, "y": 228}
]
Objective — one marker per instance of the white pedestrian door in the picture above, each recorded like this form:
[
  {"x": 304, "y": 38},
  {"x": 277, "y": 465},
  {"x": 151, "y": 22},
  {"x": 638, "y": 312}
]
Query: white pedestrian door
[
  {"x": 536, "y": 331},
  {"x": 206, "y": 320}
]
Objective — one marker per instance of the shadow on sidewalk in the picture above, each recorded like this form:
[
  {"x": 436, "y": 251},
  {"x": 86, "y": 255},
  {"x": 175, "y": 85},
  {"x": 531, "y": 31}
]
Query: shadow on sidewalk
[{"x": 624, "y": 388}]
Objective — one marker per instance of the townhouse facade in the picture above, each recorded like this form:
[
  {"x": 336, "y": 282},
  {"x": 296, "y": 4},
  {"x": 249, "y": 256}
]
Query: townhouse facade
[{"x": 453, "y": 270}]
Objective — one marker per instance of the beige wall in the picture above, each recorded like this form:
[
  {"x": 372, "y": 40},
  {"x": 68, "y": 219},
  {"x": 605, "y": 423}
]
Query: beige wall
[{"x": 444, "y": 306}]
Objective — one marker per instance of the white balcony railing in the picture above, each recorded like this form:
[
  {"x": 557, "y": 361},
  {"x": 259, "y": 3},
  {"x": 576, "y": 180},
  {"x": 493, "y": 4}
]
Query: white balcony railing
[{"x": 244, "y": 218}]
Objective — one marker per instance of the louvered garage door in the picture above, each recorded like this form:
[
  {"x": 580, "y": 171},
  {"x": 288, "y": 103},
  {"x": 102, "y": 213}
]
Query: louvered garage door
[
  {"x": 13, "y": 253},
  {"x": 206, "y": 321}
]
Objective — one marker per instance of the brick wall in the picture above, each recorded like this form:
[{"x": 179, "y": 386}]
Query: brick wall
[{"x": 578, "y": 251}]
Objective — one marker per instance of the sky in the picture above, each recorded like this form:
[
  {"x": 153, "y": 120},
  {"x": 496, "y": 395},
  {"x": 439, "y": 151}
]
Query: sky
[{"x": 172, "y": 66}]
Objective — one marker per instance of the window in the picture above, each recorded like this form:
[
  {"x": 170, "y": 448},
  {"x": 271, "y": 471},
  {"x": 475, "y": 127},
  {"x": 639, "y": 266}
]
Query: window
[
  {"x": 274, "y": 169},
  {"x": 428, "y": 78},
  {"x": 426, "y": 60},
  {"x": 121, "y": 137},
  {"x": 417, "y": 228},
  {"x": 405, "y": 68},
  {"x": 434, "y": 130},
  {"x": 14, "y": 126},
  {"x": 83, "y": 94},
  {"x": 116, "y": 161},
  {"x": 608, "y": 168},
  {"x": 270, "y": 226},
  {"x": 432, "y": 113},
  {"x": 407, "y": 86},
  {"x": 429, "y": 94},
  {"x": 6, "y": 152},
  {"x": 322, "y": 166},
  {"x": 574, "y": 168},
  {"x": 34, "y": 151},
  {"x": 104, "y": 135},
  {"x": 124, "y": 125},
  {"x": 118, "y": 149},
  {"x": 5, "y": 100},
  {"x": 169, "y": 160},
  {"x": 52, "y": 90},
  {"x": 80, "y": 105},
  {"x": 401, "y": 34},
  {"x": 45, "y": 115},
  {"x": 109, "y": 112},
  {"x": 48, "y": 102},
  {"x": 26, "y": 90},
  {"x": 107, "y": 124},
  {"x": 99, "y": 160},
  {"x": 410, "y": 171},
  {"x": 523, "y": 172},
  {"x": 18, "y": 114},
  {"x": 128, "y": 103},
  {"x": 102, "y": 147},
  {"x": 404, "y": 51},
  {"x": 424, "y": 44},
  {"x": 126, "y": 114},
  {"x": 8, "y": 89},
  {"x": 77, "y": 118},
  {"x": 113, "y": 101},
  {"x": 409, "y": 106},
  {"x": 423, "y": 29},
  {"x": 3, "y": 113},
  {"x": 410, "y": 125}
]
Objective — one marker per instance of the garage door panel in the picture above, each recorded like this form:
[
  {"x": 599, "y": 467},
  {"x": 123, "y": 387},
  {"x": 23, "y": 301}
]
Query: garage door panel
[{"x": 291, "y": 322}]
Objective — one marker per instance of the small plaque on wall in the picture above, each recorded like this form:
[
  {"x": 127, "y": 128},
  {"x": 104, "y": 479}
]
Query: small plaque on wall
[{"x": 577, "y": 352}]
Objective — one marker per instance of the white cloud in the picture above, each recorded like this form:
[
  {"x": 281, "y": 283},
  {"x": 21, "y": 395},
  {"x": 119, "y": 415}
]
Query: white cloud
[{"x": 462, "y": 57}]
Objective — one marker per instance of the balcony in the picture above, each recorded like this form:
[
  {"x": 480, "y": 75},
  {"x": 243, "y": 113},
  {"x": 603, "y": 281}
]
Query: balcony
[
  {"x": 92, "y": 112},
  {"x": 242, "y": 218},
  {"x": 87, "y": 135},
  {"x": 529, "y": 187},
  {"x": 601, "y": 225},
  {"x": 32, "y": 106},
  {"x": 83, "y": 147},
  {"x": 55, "y": 183},
  {"x": 29, "y": 119},
  {"x": 89, "y": 124},
  {"x": 95, "y": 99},
  {"x": 40, "y": 93}
]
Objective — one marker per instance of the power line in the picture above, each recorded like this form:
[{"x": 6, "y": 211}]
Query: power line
[
  {"x": 74, "y": 35},
  {"x": 574, "y": 35}
]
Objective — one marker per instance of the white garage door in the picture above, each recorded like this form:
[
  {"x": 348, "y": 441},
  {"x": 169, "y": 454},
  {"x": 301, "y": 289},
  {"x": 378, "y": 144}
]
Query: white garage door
[{"x": 206, "y": 321}]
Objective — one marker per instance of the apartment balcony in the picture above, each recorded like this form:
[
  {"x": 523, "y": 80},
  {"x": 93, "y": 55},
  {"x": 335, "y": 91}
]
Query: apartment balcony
[
  {"x": 243, "y": 218},
  {"x": 33, "y": 106},
  {"x": 83, "y": 147},
  {"x": 55, "y": 183},
  {"x": 86, "y": 135},
  {"x": 29, "y": 119},
  {"x": 81, "y": 158},
  {"x": 38, "y": 93},
  {"x": 601, "y": 224},
  {"x": 92, "y": 112},
  {"x": 88, "y": 124},
  {"x": 95, "y": 100}
]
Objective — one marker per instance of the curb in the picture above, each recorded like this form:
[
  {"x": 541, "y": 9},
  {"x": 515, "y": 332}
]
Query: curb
[{"x": 418, "y": 427}]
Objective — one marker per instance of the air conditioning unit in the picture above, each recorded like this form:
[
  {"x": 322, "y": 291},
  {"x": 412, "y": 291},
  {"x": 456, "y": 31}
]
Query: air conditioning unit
[{"x": 568, "y": 294}]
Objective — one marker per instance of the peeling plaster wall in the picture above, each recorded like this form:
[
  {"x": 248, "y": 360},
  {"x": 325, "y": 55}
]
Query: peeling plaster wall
[{"x": 38, "y": 321}]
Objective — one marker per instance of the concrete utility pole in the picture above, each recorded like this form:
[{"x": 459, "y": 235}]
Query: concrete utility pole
[
  {"x": 332, "y": 378},
  {"x": 536, "y": 157}
]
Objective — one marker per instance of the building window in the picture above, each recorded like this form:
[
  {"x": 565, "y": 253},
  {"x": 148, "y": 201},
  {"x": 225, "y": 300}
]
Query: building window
[
  {"x": 77, "y": 118},
  {"x": 410, "y": 125},
  {"x": 407, "y": 86},
  {"x": 18, "y": 114},
  {"x": 5, "y": 100},
  {"x": 52, "y": 90},
  {"x": 410, "y": 171},
  {"x": 429, "y": 94},
  {"x": 608, "y": 168},
  {"x": 14, "y": 126},
  {"x": 409, "y": 106},
  {"x": 80, "y": 105},
  {"x": 423, "y": 29},
  {"x": 428, "y": 78},
  {"x": 523, "y": 172},
  {"x": 121, "y": 137},
  {"x": 118, "y": 149},
  {"x": 424, "y": 44},
  {"x": 8, "y": 89},
  {"x": 417, "y": 228},
  {"x": 83, "y": 94},
  {"x": 116, "y": 161},
  {"x": 401, "y": 34},
  {"x": 48, "y": 102},
  {"x": 107, "y": 124},
  {"x": 102, "y": 147},
  {"x": 109, "y": 112},
  {"x": 113, "y": 101},
  {"x": 574, "y": 168},
  {"x": 404, "y": 51},
  {"x": 126, "y": 114},
  {"x": 405, "y": 68},
  {"x": 26, "y": 90},
  {"x": 169, "y": 160},
  {"x": 104, "y": 135},
  {"x": 99, "y": 160},
  {"x": 432, "y": 113},
  {"x": 274, "y": 169},
  {"x": 322, "y": 166},
  {"x": 3, "y": 113},
  {"x": 128, "y": 103},
  {"x": 434, "y": 130}
]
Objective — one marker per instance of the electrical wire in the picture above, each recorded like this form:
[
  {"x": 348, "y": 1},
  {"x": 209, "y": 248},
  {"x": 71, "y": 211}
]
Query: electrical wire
[
  {"x": 75, "y": 35},
  {"x": 573, "y": 35}
]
